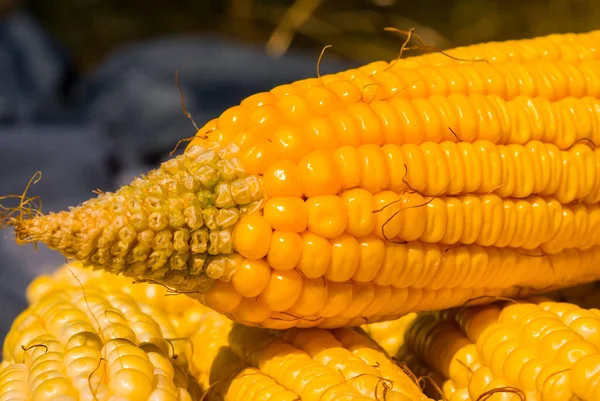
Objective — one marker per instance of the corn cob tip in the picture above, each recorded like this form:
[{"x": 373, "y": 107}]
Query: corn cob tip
[{"x": 173, "y": 225}]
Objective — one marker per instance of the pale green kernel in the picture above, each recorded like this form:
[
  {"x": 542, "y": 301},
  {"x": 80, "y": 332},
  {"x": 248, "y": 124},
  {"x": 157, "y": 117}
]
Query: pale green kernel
[
  {"x": 181, "y": 239},
  {"x": 209, "y": 215},
  {"x": 157, "y": 191},
  {"x": 227, "y": 217},
  {"x": 196, "y": 264},
  {"x": 157, "y": 259},
  {"x": 188, "y": 182},
  {"x": 138, "y": 254},
  {"x": 158, "y": 221},
  {"x": 120, "y": 249},
  {"x": 223, "y": 196},
  {"x": 162, "y": 240},
  {"x": 240, "y": 191},
  {"x": 176, "y": 218},
  {"x": 145, "y": 237},
  {"x": 199, "y": 241},
  {"x": 215, "y": 268},
  {"x": 207, "y": 175},
  {"x": 127, "y": 234},
  {"x": 178, "y": 261},
  {"x": 171, "y": 166},
  {"x": 193, "y": 217},
  {"x": 206, "y": 158},
  {"x": 154, "y": 204}
]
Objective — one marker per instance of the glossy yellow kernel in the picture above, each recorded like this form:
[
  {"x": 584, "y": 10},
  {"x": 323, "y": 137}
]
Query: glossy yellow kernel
[
  {"x": 252, "y": 237},
  {"x": 265, "y": 120},
  {"x": 295, "y": 108},
  {"x": 290, "y": 143},
  {"x": 285, "y": 250},
  {"x": 282, "y": 179},
  {"x": 221, "y": 296},
  {"x": 251, "y": 310},
  {"x": 553, "y": 341},
  {"x": 362, "y": 296},
  {"x": 319, "y": 174},
  {"x": 220, "y": 136},
  {"x": 348, "y": 93},
  {"x": 315, "y": 256},
  {"x": 585, "y": 372},
  {"x": 358, "y": 202},
  {"x": 234, "y": 119},
  {"x": 251, "y": 277},
  {"x": 372, "y": 254},
  {"x": 259, "y": 99},
  {"x": 284, "y": 90},
  {"x": 287, "y": 214},
  {"x": 322, "y": 100},
  {"x": 370, "y": 128},
  {"x": 346, "y": 128},
  {"x": 515, "y": 362},
  {"x": 375, "y": 175},
  {"x": 282, "y": 291},
  {"x": 349, "y": 166},
  {"x": 131, "y": 384},
  {"x": 345, "y": 255},
  {"x": 258, "y": 157},
  {"x": 553, "y": 382},
  {"x": 588, "y": 328},
  {"x": 312, "y": 299},
  {"x": 572, "y": 351},
  {"x": 489, "y": 340},
  {"x": 320, "y": 132},
  {"x": 327, "y": 215}
]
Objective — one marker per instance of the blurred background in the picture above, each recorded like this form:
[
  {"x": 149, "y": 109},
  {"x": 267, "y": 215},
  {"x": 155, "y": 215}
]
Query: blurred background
[{"x": 88, "y": 94}]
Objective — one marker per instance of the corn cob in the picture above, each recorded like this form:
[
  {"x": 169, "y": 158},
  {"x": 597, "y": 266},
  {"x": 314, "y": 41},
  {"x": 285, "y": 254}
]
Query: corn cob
[
  {"x": 93, "y": 341},
  {"x": 98, "y": 357},
  {"x": 538, "y": 350},
  {"x": 316, "y": 204},
  {"x": 306, "y": 364}
]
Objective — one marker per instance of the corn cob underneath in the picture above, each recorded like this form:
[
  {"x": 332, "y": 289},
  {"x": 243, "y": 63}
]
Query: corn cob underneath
[
  {"x": 93, "y": 341},
  {"x": 85, "y": 338},
  {"x": 534, "y": 350}
]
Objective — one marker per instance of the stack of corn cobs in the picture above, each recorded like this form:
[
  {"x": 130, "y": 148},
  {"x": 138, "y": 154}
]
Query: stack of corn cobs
[{"x": 458, "y": 192}]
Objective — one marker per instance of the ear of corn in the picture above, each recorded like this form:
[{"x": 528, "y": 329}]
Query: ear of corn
[
  {"x": 94, "y": 341},
  {"x": 360, "y": 196},
  {"x": 84, "y": 337},
  {"x": 536, "y": 350}
]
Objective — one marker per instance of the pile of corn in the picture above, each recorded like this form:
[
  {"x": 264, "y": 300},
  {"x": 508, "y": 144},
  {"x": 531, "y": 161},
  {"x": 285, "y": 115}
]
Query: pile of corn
[{"x": 426, "y": 187}]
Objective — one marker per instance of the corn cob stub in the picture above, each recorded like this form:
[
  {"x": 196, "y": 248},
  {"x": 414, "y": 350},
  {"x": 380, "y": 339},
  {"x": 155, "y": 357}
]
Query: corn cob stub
[
  {"x": 93, "y": 341},
  {"x": 360, "y": 196},
  {"x": 538, "y": 350}
]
